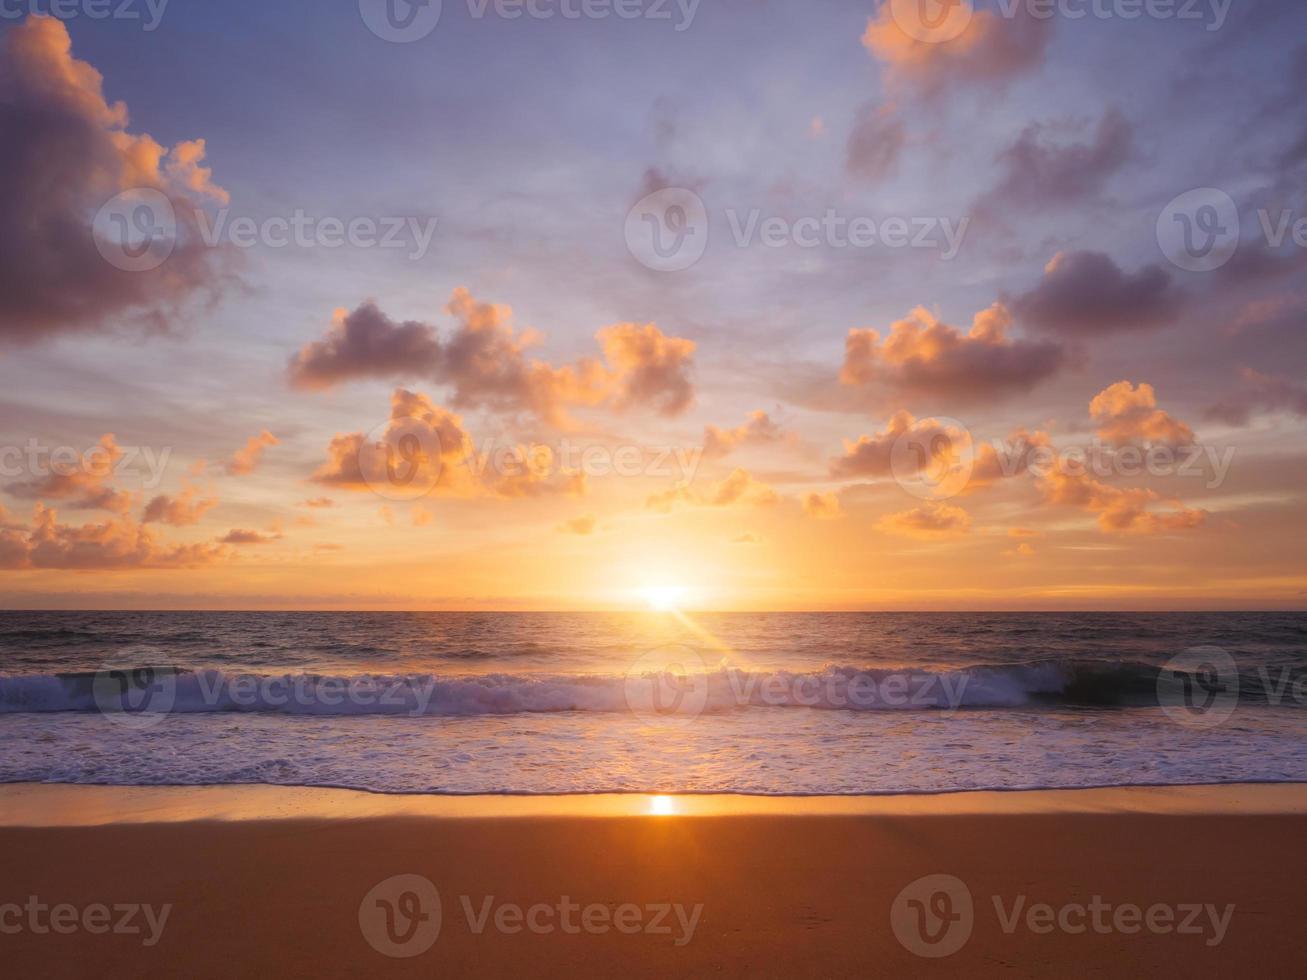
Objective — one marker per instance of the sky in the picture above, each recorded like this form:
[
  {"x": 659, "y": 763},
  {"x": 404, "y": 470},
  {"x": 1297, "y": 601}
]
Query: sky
[{"x": 573, "y": 305}]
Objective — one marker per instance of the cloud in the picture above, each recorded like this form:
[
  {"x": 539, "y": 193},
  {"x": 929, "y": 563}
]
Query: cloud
[
  {"x": 82, "y": 482},
  {"x": 924, "y": 356},
  {"x": 115, "y": 544},
  {"x": 1128, "y": 415},
  {"x": 367, "y": 344},
  {"x": 180, "y": 511},
  {"x": 244, "y": 460},
  {"x": 989, "y": 51},
  {"x": 320, "y": 502},
  {"x": 242, "y": 537},
  {"x": 1041, "y": 172},
  {"x": 747, "y": 537},
  {"x": 584, "y": 525},
  {"x": 419, "y": 450},
  {"x": 65, "y": 152},
  {"x": 873, "y": 456},
  {"x": 1019, "y": 451},
  {"x": 822, "y": 506},
  {"x": 425, "y": 449},
  {"x": 1117, "y": 509},
  {"x": 648, "y": 367},
  {"x": 665, "y": 501},
  {"x": 1261, "y": 393},
  {"x": 485, "y": 361},
  {"x": 1087, "y": 294},
  {"x": 722, "y": 442},
  {"x": 930, "y": 522},
  {"x": 738, "y": 487},
  {"x": 875, "y": 143}
]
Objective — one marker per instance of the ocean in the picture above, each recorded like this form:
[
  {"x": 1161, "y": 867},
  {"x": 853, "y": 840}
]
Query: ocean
[{"x": 759, "y": 703}]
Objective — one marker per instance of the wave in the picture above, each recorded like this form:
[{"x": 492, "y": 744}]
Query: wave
[{"x": 154, "y": 689}]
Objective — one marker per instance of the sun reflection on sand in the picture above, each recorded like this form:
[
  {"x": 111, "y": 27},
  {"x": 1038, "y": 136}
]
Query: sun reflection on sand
[{"x": 662, "y": 806}]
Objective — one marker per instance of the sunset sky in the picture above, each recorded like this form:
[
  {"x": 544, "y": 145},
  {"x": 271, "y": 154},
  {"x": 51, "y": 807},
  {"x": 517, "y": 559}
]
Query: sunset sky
[{"x": 743, "y": 430}]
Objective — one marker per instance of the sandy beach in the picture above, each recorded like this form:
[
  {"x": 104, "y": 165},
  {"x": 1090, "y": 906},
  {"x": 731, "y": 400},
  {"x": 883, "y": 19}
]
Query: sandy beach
[{"x": 259, "y": 881}]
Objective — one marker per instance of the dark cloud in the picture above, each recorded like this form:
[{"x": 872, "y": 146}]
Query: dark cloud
[
  {"x": 1087, "y": 294},
  {"x": 65, "y": 152},
  {"x": 1039, "y": 171},
  {"x": 876, "y": 143}
]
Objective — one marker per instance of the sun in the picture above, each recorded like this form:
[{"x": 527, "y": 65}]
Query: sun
[{"x": 664, "y": 598}]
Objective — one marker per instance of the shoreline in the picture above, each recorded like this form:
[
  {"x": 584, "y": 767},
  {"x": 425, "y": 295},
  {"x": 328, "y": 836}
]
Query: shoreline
[{"x": 86, "y": 805}]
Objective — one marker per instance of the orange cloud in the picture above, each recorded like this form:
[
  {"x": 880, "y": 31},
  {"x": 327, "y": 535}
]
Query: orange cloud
[
  {"x": 1120, "y": 510},
  {"x": 738, "y": 487},
  {"x": 583, "y": 525},
  {"x": 115, "y": 544},
  {"x": 420, "y": 448},
  {"x": 180, "y": 511},
  {"x": 931, "y": 522},
  {"x": 1128, "y": 415},
  {"x": 722, "y": 442},
  {"x": 924, "y": 445},
  {"x": 822, "y": 506},
  {"x": 924, "y": 356},
  {"x": 930, "y": 58},
  {"x": 485, "y": 361},
  {"x": 243, "y": 461},
  {"x": 240, "y": 537},
  {"x": 83, "y": 482}
]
